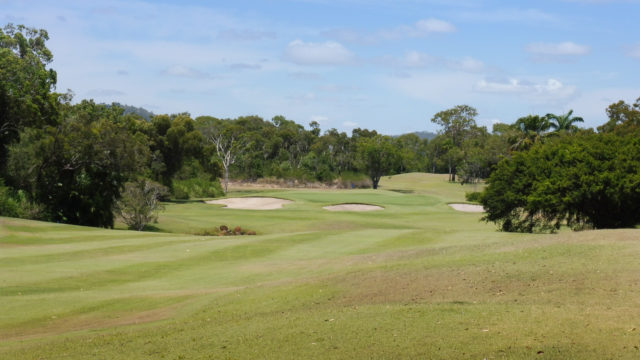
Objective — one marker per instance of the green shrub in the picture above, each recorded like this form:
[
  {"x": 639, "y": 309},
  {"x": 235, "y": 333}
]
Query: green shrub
[
  {"x": 354, "y": 180},
  {"x": 8, "y": 204},
  {"x": 475, "y": 196},
  {"x": 199, "y": 187},
  {"x": 17, "y": 204}
]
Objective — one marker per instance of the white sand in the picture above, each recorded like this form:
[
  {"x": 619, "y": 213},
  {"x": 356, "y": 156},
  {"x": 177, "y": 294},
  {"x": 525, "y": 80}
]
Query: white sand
[
  {"x": 353, "y": 207},
  {"x": 468, "y": 208},
  {"x": 251, "y": 203}
]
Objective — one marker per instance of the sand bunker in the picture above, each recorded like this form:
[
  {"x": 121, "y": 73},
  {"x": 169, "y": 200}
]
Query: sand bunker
[
  {"x": 251, "y": 203},
  {"x": 468, "y": 208},
  {"x": 353, "y": 207}
]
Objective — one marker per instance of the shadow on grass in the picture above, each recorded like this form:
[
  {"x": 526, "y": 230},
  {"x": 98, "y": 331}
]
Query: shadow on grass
[
  {"x": 402, "y": 191},
  {"x": 186, "y": 201}
]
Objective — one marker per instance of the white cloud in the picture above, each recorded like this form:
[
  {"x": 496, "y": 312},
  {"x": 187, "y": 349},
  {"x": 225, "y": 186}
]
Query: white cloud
[
  {"x": 634, "y": 51},
  {"x": 509, "y": 15},
  {"x": 320, "y": 119},
  {"x": 245, "y": 66},
  {"x": 421, "y": 28},
  {"x": 104, "y": 93},
  {"x": 550, "y": 90},
  {"x": 416, "y": 59},
  {"x": 349, "y": 124},
  {"x": 566, "y": 48},
  {"x": 185, "y": 71},
  {"x": 246, "y": 35},
  {"x": 592, "y": 105},
  {"x": 441, "y": 88},
  {"x": 467, "y": 64},
  {"x": 431, "y": 25},
  {"x": 309, "y": 53}
]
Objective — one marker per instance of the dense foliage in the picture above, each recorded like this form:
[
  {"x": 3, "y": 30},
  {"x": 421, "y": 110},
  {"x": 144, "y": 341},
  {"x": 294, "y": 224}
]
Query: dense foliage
[{"x": 585, "y": 181}]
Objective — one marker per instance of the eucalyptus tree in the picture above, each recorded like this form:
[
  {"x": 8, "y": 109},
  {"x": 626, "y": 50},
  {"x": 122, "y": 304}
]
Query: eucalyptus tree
[
  {"x": 27, "y": 97},
  {"x": 228, "y": 139},
  {"x": 377, "y": 156},
  {"x": 457, "y": 125},
  {"x": 623, "y": 118}
]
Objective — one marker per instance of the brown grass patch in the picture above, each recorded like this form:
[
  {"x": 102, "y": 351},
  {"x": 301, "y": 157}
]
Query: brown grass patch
[{"x": 57, "y": 326}]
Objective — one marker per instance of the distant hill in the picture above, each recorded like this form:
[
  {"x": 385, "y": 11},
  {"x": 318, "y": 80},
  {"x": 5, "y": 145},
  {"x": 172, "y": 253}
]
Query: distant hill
[
  {"x": 422, "y": 134},
  {"x": 425, "y": 134},
  {"x": 128, "y": 109}
]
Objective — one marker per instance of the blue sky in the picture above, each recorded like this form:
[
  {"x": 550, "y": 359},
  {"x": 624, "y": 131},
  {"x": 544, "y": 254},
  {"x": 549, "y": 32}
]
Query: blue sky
[{"x": 377, "y": 64}]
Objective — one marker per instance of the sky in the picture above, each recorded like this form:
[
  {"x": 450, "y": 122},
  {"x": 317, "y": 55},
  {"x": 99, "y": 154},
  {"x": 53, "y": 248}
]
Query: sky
[{"x": 377, "y": 64}]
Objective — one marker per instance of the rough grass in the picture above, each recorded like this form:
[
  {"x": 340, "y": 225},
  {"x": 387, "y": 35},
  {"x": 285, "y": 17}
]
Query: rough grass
[{"x": 417, "y": 280}]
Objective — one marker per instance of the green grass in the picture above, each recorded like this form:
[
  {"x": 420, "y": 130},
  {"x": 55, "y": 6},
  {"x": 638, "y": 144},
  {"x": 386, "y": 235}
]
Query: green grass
[{"x": 416, "y": 280}]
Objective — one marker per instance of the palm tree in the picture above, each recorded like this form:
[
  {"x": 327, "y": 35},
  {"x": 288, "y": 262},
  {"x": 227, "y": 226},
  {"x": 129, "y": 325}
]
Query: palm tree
[
  {"x": 531, "y": 129},
  {"x": 564, "y": 122}
]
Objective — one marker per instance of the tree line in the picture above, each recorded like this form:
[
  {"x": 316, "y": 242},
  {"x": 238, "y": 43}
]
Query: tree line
[{"x": 85, "y": 163}]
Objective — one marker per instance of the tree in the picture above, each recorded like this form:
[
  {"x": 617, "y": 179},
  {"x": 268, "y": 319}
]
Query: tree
[
  {"x": 77, "y": 169},
  {"x": 584, "y": 180},
  {"x": 413, "y": 151},
  {"x": 531, "y": 129},
  {"x": 457, "y": 123},
  {"x": 26, "y": 85},
  {"x": 140, "y": 203},
  {"x": 228, "y": 140},
  {"x": 377, "y": 156},
  {"x": 564, "y": 122},
  {"x": 623, "y": 118}
]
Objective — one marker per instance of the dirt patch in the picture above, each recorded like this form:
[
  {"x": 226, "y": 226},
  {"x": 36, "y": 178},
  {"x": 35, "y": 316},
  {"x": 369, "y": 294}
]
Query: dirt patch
[
  {"x": 353, "y": 207},
  {"x": 467, "y": 208},
  {"x": 251, "y": 203}
]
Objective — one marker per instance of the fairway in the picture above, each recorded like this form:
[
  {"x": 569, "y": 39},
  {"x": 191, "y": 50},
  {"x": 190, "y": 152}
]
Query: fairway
[{"x": 417, "y": 280}]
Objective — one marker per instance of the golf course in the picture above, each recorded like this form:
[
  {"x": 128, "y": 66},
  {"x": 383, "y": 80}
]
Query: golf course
[{"x": 413, "y": 280}]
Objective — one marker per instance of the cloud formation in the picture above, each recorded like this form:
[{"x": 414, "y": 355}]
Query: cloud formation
[
  {"x": 634, "y": 51},
  {"x": 549, "y": 90},
  {"x": 326, "y": 53},
  {"x": 185, "y": 71},
  {"x": 246, "y": 35},
  {"x": 566, "y": 48},
  {"x": 509, "y": 16},
  {"x": 421, "y": 28},
  {"x": 416, "y": 60},
  {"x": 431, "y": 25},
  {"x": 104, "y": 92}
]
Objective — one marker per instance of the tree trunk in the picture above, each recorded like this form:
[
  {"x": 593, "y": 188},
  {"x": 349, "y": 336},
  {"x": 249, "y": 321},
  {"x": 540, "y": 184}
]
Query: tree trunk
[
  {"x": 226, "y": 179},
  {"x": 375, "y": 181}
]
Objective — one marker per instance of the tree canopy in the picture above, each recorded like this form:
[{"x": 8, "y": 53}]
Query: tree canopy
[{"x": 587, "y": 180}]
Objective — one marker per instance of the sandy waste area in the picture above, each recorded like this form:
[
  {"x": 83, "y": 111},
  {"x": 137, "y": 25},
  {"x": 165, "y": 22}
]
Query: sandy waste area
[
  {"x": 251, "y": 203},
  {"x": 467, "y": 208},
  {"x": 353, "y": 207}
]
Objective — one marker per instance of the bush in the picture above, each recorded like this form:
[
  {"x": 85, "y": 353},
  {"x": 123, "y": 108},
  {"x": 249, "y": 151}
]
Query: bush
[
  {"x": 17, "y": 204},
  {"x": 353, "y": 180},
  {"x": 8, "y": 204},
  {"x": 475, "y": 196},
  {"x": 199, "y": 187},
  {"x": 140, "y": 203}
]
